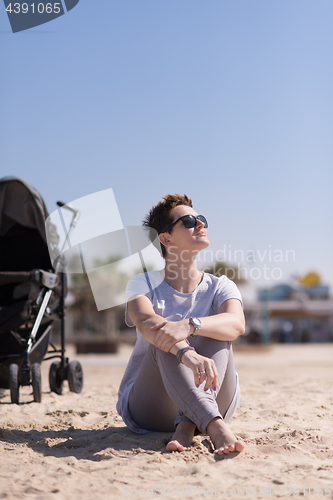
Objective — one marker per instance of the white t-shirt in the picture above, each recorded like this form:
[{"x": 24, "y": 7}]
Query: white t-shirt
[{"x": 173, "y": 306}]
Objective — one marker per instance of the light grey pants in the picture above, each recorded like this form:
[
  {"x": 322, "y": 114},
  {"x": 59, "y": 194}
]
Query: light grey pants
[{"x": 165, "y": 394}]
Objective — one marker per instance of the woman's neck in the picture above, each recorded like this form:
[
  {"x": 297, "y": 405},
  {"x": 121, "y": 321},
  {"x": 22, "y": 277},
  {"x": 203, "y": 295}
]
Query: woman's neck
[{"x": 184, "y": 277}]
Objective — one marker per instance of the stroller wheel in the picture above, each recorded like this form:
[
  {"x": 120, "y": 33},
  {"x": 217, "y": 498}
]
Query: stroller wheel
[
  {"x": 75, "y": 376},
  {"x": 55, "y": 380},
  {"x": 36, "y": 382},
  {"x": 14, "y": 383}
]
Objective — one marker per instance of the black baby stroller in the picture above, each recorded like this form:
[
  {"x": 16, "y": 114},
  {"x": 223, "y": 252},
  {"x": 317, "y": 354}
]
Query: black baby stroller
[{"x": 31, "y": 295}]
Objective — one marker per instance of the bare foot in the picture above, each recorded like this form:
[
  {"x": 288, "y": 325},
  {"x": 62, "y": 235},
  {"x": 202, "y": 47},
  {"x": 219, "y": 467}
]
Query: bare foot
[
  {"x": 182, "y": 438},
  {"x": 223, "y": 439}
]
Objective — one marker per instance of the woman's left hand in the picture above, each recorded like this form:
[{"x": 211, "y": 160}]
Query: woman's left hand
[
  {"x": 169, "y": 333},
  {"x": 204, "y": 369}
]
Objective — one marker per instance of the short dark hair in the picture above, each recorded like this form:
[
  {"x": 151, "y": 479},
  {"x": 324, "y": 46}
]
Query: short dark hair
[{"x": 160, "y": 218}]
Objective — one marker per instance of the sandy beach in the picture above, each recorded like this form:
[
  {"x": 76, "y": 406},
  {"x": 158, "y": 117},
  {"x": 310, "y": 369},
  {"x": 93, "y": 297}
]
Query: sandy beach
[{"x": 75, "y": 446}]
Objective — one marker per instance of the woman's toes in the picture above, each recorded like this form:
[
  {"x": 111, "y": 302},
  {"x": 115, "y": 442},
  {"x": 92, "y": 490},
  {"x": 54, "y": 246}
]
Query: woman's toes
[
  {"x": 224, "y": 450},
  {"x": 220, "y": 451},
  {"x": 175, "y": 446},
  {"x": 172, "y": 446},
  {"x": 239, "y": 446}
]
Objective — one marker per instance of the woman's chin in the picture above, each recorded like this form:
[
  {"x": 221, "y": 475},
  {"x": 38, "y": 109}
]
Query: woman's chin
[{"x": 204, "y": 242}]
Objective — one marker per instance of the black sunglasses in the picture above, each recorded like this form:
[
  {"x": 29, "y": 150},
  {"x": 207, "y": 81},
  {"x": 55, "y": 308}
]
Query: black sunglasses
[{"x": 189, "y": 221}]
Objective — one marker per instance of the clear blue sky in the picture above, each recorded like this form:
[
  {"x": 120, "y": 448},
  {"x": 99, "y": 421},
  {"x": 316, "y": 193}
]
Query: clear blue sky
[{"x": 229, "y": 101}]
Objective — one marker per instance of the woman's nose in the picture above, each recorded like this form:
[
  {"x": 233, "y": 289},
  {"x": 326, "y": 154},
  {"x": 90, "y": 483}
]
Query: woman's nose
[{"x": 199, "y": 223}]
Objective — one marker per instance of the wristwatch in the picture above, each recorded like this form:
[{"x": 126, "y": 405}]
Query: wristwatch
[{"x": 197, "y": 325}]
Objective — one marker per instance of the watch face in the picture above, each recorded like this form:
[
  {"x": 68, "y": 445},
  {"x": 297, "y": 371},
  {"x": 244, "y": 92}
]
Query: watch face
[{"x": 196, "y": 322}]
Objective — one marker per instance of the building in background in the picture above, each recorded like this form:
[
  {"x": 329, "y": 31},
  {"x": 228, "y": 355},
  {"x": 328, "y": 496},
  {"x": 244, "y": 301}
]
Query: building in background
[{"x": 302, "y": 312}]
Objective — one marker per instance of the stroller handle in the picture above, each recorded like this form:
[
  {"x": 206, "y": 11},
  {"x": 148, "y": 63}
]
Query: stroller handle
[
  {"x": 75, "y": 217},
  {"x": 67, "y": 205}
]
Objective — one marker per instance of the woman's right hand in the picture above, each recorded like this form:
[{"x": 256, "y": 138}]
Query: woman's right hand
[{"x": 202, "y": 368}]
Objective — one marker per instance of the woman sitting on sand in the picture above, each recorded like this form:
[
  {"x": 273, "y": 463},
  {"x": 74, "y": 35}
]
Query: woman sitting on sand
[{"x": 181, "y": 374}]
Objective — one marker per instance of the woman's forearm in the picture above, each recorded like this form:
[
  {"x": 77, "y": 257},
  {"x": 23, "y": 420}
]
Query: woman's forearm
[
  {"x": 222, "y": 326},
  {"x": 145, "y": 323},
  {"x": 144, "y": 326}
]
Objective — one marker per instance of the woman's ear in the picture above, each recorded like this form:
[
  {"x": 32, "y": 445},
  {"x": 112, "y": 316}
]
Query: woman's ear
[{"x": 164, "y": 239}]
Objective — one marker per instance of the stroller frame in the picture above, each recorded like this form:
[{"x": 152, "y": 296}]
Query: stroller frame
[{"x": 23, "y": 368}]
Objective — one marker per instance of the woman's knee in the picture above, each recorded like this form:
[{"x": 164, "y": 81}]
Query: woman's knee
[{"x": 209, "y": 347}]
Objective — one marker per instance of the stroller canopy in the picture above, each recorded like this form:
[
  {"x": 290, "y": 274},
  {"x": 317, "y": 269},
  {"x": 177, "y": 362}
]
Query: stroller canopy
[
  {"x": 21, "y": 203},
  {"x": 23, "y": 244}
]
